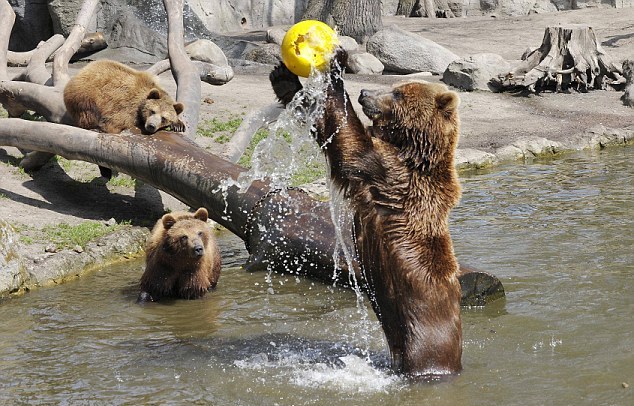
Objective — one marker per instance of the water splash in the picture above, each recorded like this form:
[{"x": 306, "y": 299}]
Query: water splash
[{"x": 289, "y": 149}]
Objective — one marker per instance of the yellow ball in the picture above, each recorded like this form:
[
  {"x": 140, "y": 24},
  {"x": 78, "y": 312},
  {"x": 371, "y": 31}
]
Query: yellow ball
[{"x": 307, "y": 44}]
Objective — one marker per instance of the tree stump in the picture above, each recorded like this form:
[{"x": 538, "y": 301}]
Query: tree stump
[{"x": 569, "y": 58}]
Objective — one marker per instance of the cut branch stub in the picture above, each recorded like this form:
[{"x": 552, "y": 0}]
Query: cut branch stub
[{"x": 570, "y": 57}]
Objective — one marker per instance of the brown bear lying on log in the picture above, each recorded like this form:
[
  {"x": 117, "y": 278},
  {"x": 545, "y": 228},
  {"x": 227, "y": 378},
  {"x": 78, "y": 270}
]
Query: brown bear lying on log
[
  {"x": 398, "y": 176},
  {"x": 111, "y": 97}
]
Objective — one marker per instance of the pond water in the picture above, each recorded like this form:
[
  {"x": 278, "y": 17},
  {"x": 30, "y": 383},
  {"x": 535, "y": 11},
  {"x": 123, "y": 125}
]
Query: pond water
[{"x": 559, "y": 234}]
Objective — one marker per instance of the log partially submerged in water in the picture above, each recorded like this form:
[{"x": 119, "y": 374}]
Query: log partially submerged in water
[
  {"x": 570, "y": 57},
  {"x": 283, "y": 230}
]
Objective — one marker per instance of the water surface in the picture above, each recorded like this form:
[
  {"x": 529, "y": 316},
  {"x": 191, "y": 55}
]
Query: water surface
[{"x": 559, "y": 234}]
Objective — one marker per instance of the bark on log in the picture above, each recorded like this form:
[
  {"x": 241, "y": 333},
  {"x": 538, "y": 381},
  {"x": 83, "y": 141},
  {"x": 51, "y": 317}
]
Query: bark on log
[{"x": 570, "y": 57}]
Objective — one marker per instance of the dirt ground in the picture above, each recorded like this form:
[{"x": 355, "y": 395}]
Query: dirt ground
[{"x": 72, "y": 192}]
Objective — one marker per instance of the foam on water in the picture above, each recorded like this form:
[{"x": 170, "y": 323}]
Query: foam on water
[{"x": 351, "y": 373}]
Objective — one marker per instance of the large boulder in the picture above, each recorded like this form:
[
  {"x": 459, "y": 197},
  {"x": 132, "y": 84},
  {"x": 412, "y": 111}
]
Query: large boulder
[
  {"x": 475, "y": 72},
  {"x": 364, "y": 63},
  {"x": 404, "y": 52}
]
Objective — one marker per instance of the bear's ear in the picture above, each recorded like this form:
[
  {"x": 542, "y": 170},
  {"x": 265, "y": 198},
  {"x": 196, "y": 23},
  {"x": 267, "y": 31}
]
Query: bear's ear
[
  {"x": 201, "y": 214},
  {"x": 154, "y": 94},
  {"x": 447, "y": 102},
  {"x": 179, "y": 107},
  {"x": 168, "y": 221}
]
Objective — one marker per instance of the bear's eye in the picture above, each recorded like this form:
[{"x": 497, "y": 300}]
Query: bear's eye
[
  {"x": 200, "y": 233},
  {"x": 184, "y": 238}
]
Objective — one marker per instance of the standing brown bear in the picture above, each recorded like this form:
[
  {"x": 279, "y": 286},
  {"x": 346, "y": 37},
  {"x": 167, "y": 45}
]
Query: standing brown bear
[
  {"x": 399, "y": 179},
  {"x": 182, "y": 258},
  {"x": 111, "y": 97}
]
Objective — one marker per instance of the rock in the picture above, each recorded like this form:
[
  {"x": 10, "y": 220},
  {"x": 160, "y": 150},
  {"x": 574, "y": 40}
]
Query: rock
[
  {"x": 275, "y": 35},
  {"x": 129, "y": 31},
  {"x": 267, "y": 54},
  {"x": 475, "y": 71},
  {"x": 532, "y": 147},
  {"x": 509, "y": 153},
  {"x": 11, "y": 269},
  {"x": 404, "y": 52},
  {"x": 32, "y": 24},
  {"x": 206, "y": 51},
  {"x": 348, "y": 43},
  {"x": 63, "y": 14},
  {"x": 364, "y": 63},
  {"x": 473, "y": 158},
  {"x": 78, "y": 249},
  {"x": 51, "y": 248}
]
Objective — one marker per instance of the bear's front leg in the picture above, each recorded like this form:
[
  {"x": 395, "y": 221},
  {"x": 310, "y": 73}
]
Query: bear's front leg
[{"x": 285, "y": 83}]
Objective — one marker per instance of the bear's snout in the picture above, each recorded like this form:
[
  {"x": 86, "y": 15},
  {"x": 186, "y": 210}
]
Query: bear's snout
[
  {"x": 367, "y": 100},
  {"x": 153, "y": 123},
  {"x": 199, "y": 250}
]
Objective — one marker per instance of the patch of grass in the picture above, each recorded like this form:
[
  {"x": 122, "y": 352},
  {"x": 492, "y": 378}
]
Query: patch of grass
[
  {"x": 26, "y": 240},
  {"x": 245, "y": 159},
  {"x": 64, "y": 163},
  {"x": 67, "y": 236},
  {"x": 220, "y": 131},
  {"x": 122, "y": 181},
  {"x": 311, "y": 172},
  {"x": 3, "y": 113}
]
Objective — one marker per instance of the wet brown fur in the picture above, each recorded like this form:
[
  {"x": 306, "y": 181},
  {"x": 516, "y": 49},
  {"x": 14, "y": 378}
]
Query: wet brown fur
[
  {"x": 111, "y": 97},
  {"x": 182, "y": 258},
  {"x": 400, "y": 179}
]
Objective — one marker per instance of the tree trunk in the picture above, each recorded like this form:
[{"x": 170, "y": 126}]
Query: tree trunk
[
  {"x": 570, "y": 57},
  {"x": 424, "y": 8},
  {"x": 319, "y": 10},
  {"x": 358, "y": 19},
  {"x": 406, "y": 7}
]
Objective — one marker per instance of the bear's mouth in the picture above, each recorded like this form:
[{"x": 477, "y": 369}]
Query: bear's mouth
[
  {"x": 369, "y": 106},
  {"x": 371, "y": 112}
]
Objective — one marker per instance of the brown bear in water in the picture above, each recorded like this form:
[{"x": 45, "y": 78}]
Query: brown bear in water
[
  {"x": 182, "y": 258},
  {"x": 398, "y": 176},
  {"x": 111, "y": 97}
]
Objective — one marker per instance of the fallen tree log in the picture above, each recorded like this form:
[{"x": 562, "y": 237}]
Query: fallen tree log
[
  {"x": 283, "y": 230},
  {"x": 569, "y": 58}
]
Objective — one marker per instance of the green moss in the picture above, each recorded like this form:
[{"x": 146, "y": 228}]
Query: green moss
[{"x": 3, "y": 113}]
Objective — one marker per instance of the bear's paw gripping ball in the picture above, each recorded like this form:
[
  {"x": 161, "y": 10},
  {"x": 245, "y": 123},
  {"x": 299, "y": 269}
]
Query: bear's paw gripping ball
[{"x": 308, "y": 44}]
